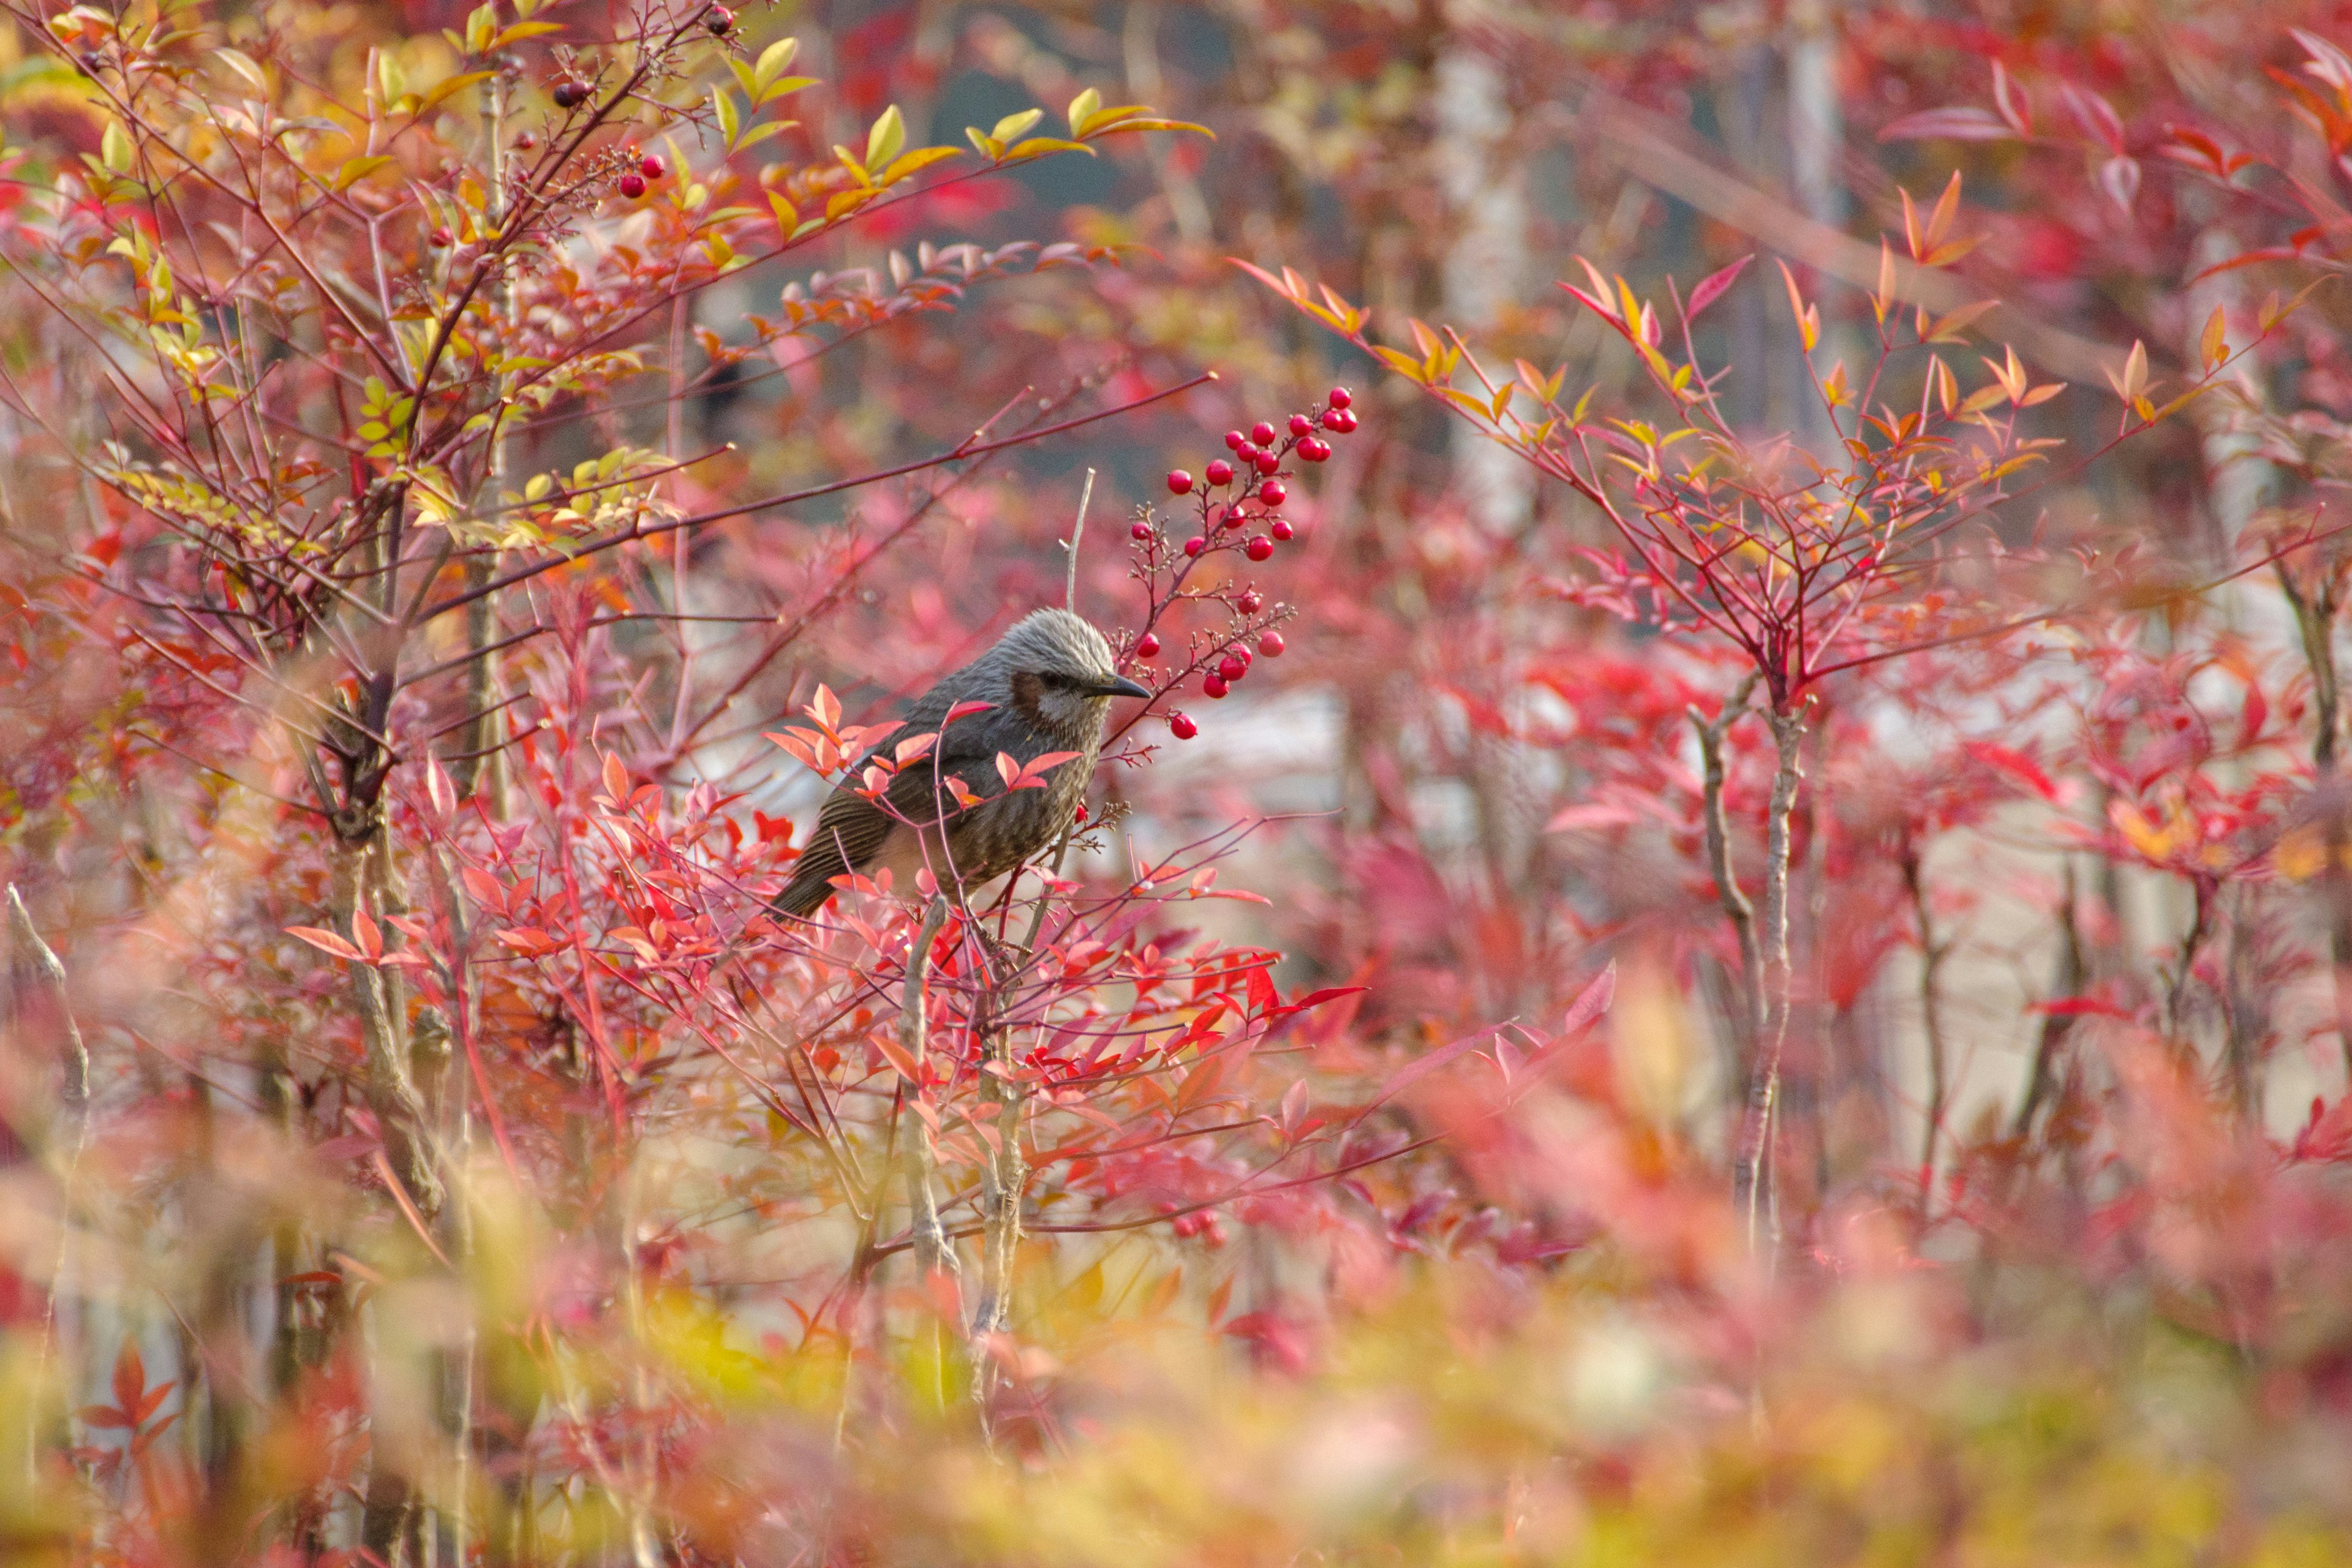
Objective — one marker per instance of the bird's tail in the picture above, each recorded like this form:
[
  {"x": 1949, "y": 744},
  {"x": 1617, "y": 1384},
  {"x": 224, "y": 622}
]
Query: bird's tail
[{"x": 803, "y": 895}]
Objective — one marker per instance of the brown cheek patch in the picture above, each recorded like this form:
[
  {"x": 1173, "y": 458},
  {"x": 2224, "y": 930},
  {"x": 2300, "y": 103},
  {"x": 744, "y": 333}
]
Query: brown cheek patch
[{"x": 1026, "y": 691}]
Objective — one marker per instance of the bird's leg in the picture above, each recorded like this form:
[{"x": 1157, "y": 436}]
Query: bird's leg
[{"x": 935, "y": 1256}]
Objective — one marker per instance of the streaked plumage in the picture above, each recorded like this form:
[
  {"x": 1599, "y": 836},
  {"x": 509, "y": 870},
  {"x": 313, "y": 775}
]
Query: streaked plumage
[{"x": 1049, "y": 680}]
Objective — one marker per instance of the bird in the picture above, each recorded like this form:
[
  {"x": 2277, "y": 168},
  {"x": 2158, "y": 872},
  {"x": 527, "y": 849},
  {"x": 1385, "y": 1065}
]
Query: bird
[{"x": 1048, "y": 683}]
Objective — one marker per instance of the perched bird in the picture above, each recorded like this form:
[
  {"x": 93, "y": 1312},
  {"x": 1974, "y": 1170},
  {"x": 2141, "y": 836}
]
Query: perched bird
[{"x": 1048, "y": 683}]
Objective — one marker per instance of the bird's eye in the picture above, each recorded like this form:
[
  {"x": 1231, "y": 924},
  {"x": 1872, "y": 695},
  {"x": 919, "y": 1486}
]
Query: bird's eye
[{"x": 1053, "y": 680}]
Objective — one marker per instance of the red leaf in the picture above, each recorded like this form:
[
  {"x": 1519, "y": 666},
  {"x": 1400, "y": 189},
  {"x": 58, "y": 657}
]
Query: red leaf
[
  {"x": 2016, "y": 764},
  {"x": 328, "y": 942},
  {"x": 1715, "y": 287},
  {"x": 895, "y": 1055},
  {"x": 485, "y": 889},
  {"x": 1262, "y": 994},
  {"x": 130, "y": 1379},
  {"x": 1592, "y": 1001}
]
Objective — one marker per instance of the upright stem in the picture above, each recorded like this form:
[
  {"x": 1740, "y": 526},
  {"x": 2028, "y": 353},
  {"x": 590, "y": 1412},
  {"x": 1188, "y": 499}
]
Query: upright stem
[
  {"x": 2315, "y": 618},
  {"x": 2073, "y": 973},
  {"x": 935, "y": 1256},
  {"x": 475, "y": 747},
  {"x": 1931, "y": 1012},
  {"x": 1763, "y": 1087},
  {"x": 390, "y": 1089},
  {"x": 40, "y": 972},
  {"x": 1735, "y": 905}
]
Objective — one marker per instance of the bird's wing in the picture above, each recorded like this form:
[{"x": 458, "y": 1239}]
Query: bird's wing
[{"x": 850, "y": 829}]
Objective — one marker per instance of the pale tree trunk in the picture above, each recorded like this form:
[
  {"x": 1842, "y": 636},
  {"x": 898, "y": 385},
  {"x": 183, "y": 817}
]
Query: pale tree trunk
[
  {"x": 1485, "y": 262},
  {"x": 1816, "y": 143}
]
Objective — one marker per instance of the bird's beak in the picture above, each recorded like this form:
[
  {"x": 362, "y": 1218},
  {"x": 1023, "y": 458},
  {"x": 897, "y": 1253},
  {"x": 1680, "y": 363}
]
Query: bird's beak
[{"x": 1121, "y": 686}]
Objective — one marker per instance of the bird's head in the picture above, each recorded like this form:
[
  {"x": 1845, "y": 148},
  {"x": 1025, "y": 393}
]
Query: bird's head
[{"x": 1059, "y": 675}]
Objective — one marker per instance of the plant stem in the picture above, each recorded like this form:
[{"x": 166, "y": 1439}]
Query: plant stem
[
  {"x": 935, "y": 1256},
  {"x": 1763, "y": 1086},
  {"x": 1931, "y": 1012},
  {"x": 2315, "y": 619},
  {"x": 1736, "y": 908}
]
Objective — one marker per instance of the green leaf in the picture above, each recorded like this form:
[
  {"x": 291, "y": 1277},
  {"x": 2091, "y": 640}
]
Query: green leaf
[
  {"x": 884, "y": 142},
  {"x": 114, "y": 148},
  {"x": 731, "y": 122}
]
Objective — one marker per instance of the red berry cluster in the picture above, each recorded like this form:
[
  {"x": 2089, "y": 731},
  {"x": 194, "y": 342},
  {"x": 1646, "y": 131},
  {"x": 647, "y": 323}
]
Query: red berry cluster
[
  {"x": 1235, "y": 492},
  {"x": 649, "y": 168}
]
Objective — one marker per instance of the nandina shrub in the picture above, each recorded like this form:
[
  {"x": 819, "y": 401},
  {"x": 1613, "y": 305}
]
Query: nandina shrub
[{"x": 1053, "y": 1227}]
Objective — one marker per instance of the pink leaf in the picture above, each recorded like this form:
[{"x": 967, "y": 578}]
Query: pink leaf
[
  {"x": 1715, "y": 287},
  {"x": 2119, "y": 178},
  {"x": 328, "y": 942},
  {"x": 1950, "y": 125}
]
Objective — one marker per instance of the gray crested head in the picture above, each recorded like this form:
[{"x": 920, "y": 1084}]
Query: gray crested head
[{"x": 1056, "y": 670}]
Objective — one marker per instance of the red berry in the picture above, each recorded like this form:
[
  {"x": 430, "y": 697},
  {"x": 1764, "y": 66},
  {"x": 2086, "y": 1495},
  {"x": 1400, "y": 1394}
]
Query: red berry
[
  {"x": 1340, "y": 397},
  {"x": 1230, "y": 517},
  {"x": 1179, "y": 482},
  {"x": 441, "y": 238},
  {"x": 1148, "y": 646},
  {"x": 1194, "y": 545},
  {"x": 1267, "y": 463},
  {"x": 1214, "y": 686},
  {"x": 1230, "y": 668},
  {"x": 633, "y": 185},
  {"x": 1347, "y": 421},
  {"x": 525, "y": 143},
  {"x": 1138, "y": 531},
  {"x": 1242, "y": 652},
  {"x": 1082, "y": 811},
  {"x": 1272, "y": 494},
  {"x": 1301, "y": 425},
  {"x": 720, "y": 20},
  {"x": 652, "y": 167},
  {"x": 1233, "y": 439},
  {"x": 571, "y": 94},
  {"x": 1221, "y": 473},
  {"x": 1246, "y": 453},
  {"x": 1249, "y": 601},
  {"x": 1280, "y": 528},
  {"x": 1270, "y": 645},
  {"x": 1181, "y": 725},
  {"x": 1258, "y": 548},
  {"x": 1315, "y": 450},
  {"x": 1262, "y": 433}
]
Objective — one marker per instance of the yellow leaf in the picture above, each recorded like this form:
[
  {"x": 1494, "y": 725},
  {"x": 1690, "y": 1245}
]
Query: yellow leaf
[
  {"x": 2215, "y": 344},
  {"x": 774, "y": 60},
  {"x": 1038, "y": 146},
  {"x": 1084, "y": 104},
  {"x": 1013, "y": 127},
  {"x": 919, "y": 159}
]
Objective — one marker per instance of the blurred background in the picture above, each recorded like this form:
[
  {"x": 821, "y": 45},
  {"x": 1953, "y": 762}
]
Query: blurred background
[{"x": 2060, "y": 1236}]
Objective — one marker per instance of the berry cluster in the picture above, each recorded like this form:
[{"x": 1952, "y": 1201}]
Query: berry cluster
[
  {"x": 1238, "y": 502},
  {"x": 649, "y": 169}
]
